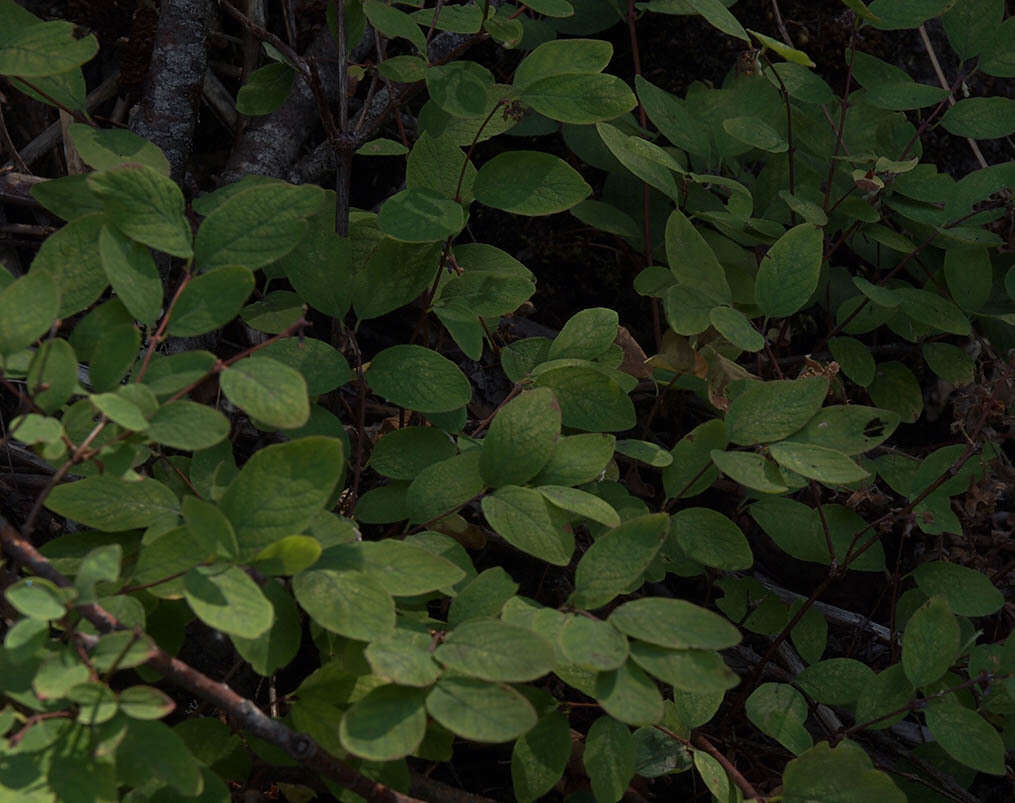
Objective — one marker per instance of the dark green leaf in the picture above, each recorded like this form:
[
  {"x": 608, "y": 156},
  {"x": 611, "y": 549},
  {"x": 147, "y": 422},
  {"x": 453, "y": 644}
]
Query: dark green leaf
[
  {"x": 930, "y": 643},
  {"x": 529, "y": 183},
  {"x": 419, "y": 379},
  {"x": 267, "y": 390},
  {"x": 480, "y": 711},
  {"x": 146, "y": 206}
]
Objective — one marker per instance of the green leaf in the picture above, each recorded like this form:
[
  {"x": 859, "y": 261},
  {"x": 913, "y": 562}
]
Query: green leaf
[
  {"x": 71, "y": 258},
  {"x": 188, "y": 425},
  {"x": 837, "y": 681},
  {"x": 106, "y": 148},
  {"x": 969, "y": 275},
  {"x": 145, "y": 702},
  {"x": 577, "y": 459},
  {"x": 798, "y": 531},
  {"x": 949, "y": 362},
  {"x": 146, "y": 206},
  {"x": 563, "y": 57},
  {"x": 674, "y": 623},
  {"x": 435, "y": 165},
  {"x": 52, "y": 375},
  {"x": 628, "y": 694},
  {"x": 523, "y": 518},
  {"x": 276, "y": 647},
  {"x": 817, "y": 462},
  {"x": 529, "y": 183},
  {"x": 933, "y": 310},
  {"x": 843, "y": 774},
  {"x": 480, "y": 711},
  {"x": 592, "y": 644},
  {"x": 586, "y": 335},
  {"x": 35, "y": 428},
  {"x": 522, "y": 438},
  {"x": 589, "y": 399},
  {"x": 485, "y": 595},
  {"x": 132, "y": 273},
  {"x": 45, "y": 48},
  {"x": 659, "y": 754},
  {"x": 387, "y": 724},
  {"x": 349, "y": 603},
  {"x": 966, "y": 736},
  {"x": 404, "y": 453},
  {"x": 790, "y": 54},
  {"x": 581, "y": 503},
  {"x": 267, "y": 390},
  {"x": 456, "y": 19},
  {"x": 37, "y": 598},
  {"x": 266, "y": 89},
  {"x": 394, "y": 275},
  {"x": 225, "y": 598},
  {"x": 968, "y": 592},
  {"x": 930, "y": 643},
  {"x": 401, "y": 568},
  {"x": 256, "y": 226},
  {"x": 644, "y": 159},
  {"x": 211, "y": 301},
  {"x": 122, "y": 649},
  {"x": 28, "y": 307},
  {"x": 854, "y": 359},
  {"x": 420, "y": 216},
  {"x": 323, "y": 367},
  {"x": 645, "y": 452},
  {"x": 419, "y": 379},
  {"x": 319, "y": 267},
  {"x": 606, "y": 217},
  {"x": 717, "y": 15},
  {"x": 440, "y": 488},
  {"x": 290, "y": 555},
  {"x": 734, "y": 326},
  {"x": 789, "y": 271},
  {"x": 460, "y": 88},
  {"x": 676, "y": 119},
  {"x": 970, "y": 26},
  {"x": 404, "y": 658},
  {"x": 711, "y": 538},
  {"x": 539, "y": 758},
  {"x": 580, "y": 98},
  {"x": 754, "y": 131},
  {"x": 699, "y": 671},
  {"x": 895, "y": 388},
  {"x": 209, "y": 525},
  {"x": 850, "y": 429},
  {"x": 394, "y": 23},
  {"x": 101, "y": 564},
  {"x": 281, "y": 489},
  {"x": 382, "y": 146},
  {"x": 981, "y": 118},
  {"x": 769, "y": 411},
  {"x": 112, "y": 505},
  {"x": 151, "y": 750},
  {"x": 617, "y": 561},
  {"x": 693, "y": 262},
  {"x": 779, "y": 711},
  {"x": 609, "y": 759},
  {"x": 691, "y": 471},
  {"x": 274, "y": 313},
  {"x": 120, "y": 410},
  {"x": 68, "y": 197},
  {"x": 492, "y": 650}
]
